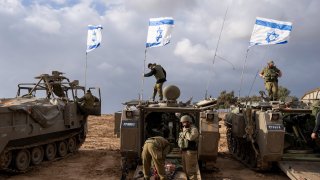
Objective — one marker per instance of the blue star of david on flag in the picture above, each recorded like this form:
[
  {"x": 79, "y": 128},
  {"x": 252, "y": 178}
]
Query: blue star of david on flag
[
  {"x": 159, "y": 31},
  {"x": 272, "y": 36},
  {"x": 94, "y": 37},
  {"x": 269, "y": 31}
]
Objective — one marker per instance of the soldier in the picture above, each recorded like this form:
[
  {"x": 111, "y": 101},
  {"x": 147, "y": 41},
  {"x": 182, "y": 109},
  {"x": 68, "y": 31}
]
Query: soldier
[
  {"x": 155, "y": 148},
  {"x": 56, "y": 84},
  {"x": 87, "y": 102},
  {"x": 316, "y": 113},
  {"x": 187, "y": 142},
  {"x": 160, "y": 75},
  {"x": 270, "y": 74}
]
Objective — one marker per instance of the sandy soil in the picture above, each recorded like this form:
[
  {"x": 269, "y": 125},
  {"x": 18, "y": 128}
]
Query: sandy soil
[{"x": 99, "y": 158}]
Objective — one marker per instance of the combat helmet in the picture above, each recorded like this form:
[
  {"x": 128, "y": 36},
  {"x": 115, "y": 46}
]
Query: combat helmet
[
  {"x": 271, "y": 62},
  {"x": 185, "y": 118}
]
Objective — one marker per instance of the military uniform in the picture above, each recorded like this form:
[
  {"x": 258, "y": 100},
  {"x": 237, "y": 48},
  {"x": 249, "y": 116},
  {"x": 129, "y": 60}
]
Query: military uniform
[
  {"x": 57, "y": 90},
  {"x": 87, "y": 102},
  {"x": 316, "y": 114},
  {"x": 187, "y": 142},
  {"x": 270, "y": 75},
  {"x": 160, "y": 75},
  {"x": 155, "y": 149}
]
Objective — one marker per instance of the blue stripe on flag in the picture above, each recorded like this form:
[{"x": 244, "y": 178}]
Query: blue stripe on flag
[
  {"x": 161, "y": 22},
  {"x": 155, "y": 44},
  {"x": 282, "y": 42},
  {"x": 93, "y": 46},
  {"x": 274, "y": 25},
  {"x": 94, "y": 27},
  {"x": 152, "y": 44}
]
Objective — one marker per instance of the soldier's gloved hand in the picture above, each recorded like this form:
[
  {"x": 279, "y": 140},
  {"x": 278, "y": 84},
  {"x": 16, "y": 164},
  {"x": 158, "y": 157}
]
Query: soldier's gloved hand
[{"x": 185, "y": 129}]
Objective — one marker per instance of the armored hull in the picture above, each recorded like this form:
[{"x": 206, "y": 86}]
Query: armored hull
[
  {"x": 34, "y": 129},
  {"x": 270, "y": 133},
  {"x": 140, "y": 120}
]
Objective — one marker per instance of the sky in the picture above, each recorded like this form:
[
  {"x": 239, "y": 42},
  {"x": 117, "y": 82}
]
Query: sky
[{"x": 39, "y": 36}]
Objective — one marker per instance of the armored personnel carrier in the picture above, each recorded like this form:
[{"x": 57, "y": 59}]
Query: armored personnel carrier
[
  {"x": 266, "y": 133},
  {"x": 43, "y": 122},
  {"x": 140, "y": 119}
]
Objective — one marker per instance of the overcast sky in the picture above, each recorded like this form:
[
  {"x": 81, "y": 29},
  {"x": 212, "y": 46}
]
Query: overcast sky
[{"x": 38, "y": 36}]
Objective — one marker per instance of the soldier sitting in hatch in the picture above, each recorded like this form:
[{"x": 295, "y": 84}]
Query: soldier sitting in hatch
[
  {"x": 87, "y": 102},
  {"x": 56, "y": 89}
]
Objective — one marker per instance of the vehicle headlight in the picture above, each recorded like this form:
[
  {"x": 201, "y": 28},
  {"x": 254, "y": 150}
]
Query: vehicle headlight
[
  {"x": 210, "y": 117},
  {"x": 275, "y": 117},
  {"x": 129, "y": 114}
]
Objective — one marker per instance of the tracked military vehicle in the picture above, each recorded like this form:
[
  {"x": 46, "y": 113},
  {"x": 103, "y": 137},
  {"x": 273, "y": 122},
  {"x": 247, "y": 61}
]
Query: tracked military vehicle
[
  {"x": 266, "y": 133},
  {"x": 43, "y": 122},
  {"x": 141, "y": 119}
]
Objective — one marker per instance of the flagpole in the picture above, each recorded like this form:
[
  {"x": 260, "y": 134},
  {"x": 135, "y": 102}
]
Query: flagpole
[
  {"x": 144, "y": 68},
  {"x": 243, "y": 68},
  {"x": 85, "y": 72}
]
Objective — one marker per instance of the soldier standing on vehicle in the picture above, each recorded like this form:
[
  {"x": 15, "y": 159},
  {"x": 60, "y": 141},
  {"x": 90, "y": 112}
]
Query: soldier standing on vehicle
[
  {"x": 270, "y": 74},
  {"x": 188, "y": 140},
  {"x": 155, "y": 148},
  {"x": 316, "y": 113},
  {"x": 160, "y": 75}
]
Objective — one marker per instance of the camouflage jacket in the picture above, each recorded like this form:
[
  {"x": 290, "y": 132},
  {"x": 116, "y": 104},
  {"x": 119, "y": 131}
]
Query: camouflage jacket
[
  {"x": 87, "y": 100},
  {"x": 159, "y": 73},
  {"x": 160, "y": 143},
  {"x": 270, "y": 74},
  {"x": 188, "y": 138}
]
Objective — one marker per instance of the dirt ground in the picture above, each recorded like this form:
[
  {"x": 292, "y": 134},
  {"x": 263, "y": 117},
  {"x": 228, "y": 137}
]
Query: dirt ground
[{"x": 99, "y": 158}]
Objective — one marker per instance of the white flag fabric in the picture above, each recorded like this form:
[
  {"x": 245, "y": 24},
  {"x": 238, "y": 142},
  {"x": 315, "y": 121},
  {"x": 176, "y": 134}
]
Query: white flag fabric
[
  {"x": 94, "y": 37},
  {"x": 159, "y": 32},
  {"x": 269, "y": 31}
]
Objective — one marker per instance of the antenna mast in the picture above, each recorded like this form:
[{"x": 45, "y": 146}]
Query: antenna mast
[{"x": 215, "y": 53}]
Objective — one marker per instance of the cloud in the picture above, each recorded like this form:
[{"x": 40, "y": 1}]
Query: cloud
[
  {"x": 114, "y": 69},
  {"x": 59, "y": 1},
  {"x": 44, "y": 19},
  {"x": 192, "y": 53},
  {"x": 41, "y": 36},
  {"x": 10, "y": 6}
]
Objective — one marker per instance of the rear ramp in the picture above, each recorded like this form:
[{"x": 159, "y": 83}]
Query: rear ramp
[{"x": 301, "y": 170}]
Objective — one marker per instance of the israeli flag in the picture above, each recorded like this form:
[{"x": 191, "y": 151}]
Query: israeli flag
[
  {"x": 159, "y": 32},
  {"x": 94, "y": 37},
  {"x": 269, "y": 31}
]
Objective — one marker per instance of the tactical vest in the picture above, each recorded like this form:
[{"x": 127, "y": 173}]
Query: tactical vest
[
  {"x": 271, "y": 74},
  {"x": 159, "y": 72},
  {"x": 184, "y": 144}
]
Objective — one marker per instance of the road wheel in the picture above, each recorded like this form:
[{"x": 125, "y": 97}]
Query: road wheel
[
  {"x": 22, "y": 160},
  {"x": 72, "y": 145},
  {"x": 5, "y": 159},
  {"x": 62, "y": 148},
  {"x": 50, "y": 151},
  {"x": 37, "y": 155}
]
